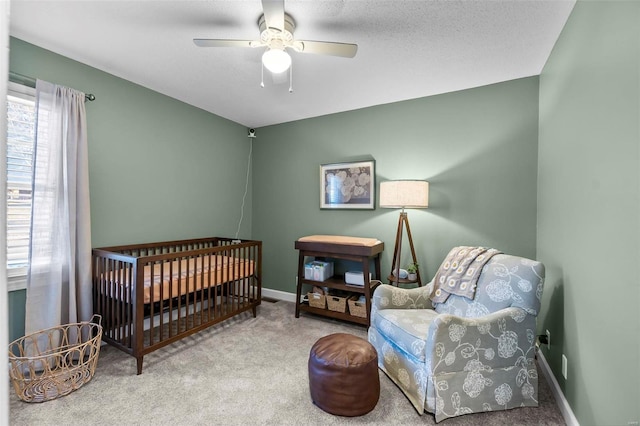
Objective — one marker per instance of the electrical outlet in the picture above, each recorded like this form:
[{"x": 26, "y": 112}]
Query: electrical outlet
[
  {"x": 564, "y": 366},
  {"x": 548, "y": 339}
]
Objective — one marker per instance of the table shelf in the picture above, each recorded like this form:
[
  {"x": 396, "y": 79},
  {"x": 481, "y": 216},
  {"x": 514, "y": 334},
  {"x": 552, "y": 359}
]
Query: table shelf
[{"x": 357, "y": 253}]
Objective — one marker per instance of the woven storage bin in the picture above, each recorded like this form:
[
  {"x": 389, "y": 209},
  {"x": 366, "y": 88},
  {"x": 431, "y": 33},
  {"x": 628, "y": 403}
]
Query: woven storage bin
[
  {"x": 54, "y": 362},
  {"x": 337, "y": 303},
  {"x": 317, "y": 300},
  {"x": 357, "y": 309}
]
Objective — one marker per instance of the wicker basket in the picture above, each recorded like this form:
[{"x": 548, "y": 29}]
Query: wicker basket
[
  {"x": 317, "y": 300},
  {"x": 337, "y": 303},
  {"x": 54, "y": 362},
  {"x": 356, "y": 308}
]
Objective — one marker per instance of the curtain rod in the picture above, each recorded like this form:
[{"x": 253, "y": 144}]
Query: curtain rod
[{"x": 31, "y": 82}]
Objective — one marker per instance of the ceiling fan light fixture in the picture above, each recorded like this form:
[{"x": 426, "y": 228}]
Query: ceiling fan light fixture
[{"x": 276, "y": 60}]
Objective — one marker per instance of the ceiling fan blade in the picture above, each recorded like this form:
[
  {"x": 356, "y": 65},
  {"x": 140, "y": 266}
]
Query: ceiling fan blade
[
  {"x": 346, "y": 50},
  {"x": 274, "y": 13},
  {"x": 212, "y": 42}
]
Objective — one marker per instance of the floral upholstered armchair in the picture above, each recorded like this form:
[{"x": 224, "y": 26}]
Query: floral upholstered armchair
[{"x": 464, "y": 355}]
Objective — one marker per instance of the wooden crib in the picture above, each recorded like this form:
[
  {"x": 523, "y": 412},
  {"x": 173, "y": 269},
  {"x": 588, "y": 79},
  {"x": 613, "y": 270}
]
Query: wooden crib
[{"x": 151, "y": 295}]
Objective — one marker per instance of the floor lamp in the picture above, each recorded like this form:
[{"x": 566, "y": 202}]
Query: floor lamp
[{"x": 404, "y": 194}]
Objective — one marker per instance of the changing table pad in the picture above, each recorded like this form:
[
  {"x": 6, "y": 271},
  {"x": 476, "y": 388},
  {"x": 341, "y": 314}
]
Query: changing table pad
[{"x": 340, "y": 239}]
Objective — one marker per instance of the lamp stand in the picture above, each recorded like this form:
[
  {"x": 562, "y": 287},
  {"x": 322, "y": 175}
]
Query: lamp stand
[{"x": 397, "y": 251}]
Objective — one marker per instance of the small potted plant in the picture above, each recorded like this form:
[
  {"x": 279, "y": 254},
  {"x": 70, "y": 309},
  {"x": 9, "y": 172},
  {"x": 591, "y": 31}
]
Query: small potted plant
[{"x": 412, "y": 270}]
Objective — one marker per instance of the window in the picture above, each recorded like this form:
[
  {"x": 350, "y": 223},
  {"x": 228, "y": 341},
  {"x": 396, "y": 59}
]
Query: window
[{"x": 20, "y": 143}]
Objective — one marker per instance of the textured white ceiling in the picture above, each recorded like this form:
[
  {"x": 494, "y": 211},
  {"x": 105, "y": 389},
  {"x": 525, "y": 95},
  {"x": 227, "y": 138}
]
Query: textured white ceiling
[{"x": 406, "y": 49}]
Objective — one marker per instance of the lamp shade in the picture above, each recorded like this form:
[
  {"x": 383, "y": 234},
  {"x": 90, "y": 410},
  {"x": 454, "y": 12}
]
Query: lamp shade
[{"x": 404, "y": 194}]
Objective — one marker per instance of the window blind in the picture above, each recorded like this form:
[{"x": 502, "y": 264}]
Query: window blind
[{"x": 20, "y": 146}]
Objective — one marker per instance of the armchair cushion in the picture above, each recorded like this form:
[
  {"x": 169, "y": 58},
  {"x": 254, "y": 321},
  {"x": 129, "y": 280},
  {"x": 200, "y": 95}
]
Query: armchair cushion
[
  {"x": 411, "y": 298},
  {"x": 407, "y": 330}
]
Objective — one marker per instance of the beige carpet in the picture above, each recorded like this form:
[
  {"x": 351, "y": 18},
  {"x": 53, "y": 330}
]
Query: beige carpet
[{"x": 244, "y": 371}]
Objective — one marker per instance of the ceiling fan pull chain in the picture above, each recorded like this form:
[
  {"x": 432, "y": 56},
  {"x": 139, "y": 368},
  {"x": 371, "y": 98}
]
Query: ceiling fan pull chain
[
  {"x": 261, "y": 74},
  {"x": 291, "y": 78}
]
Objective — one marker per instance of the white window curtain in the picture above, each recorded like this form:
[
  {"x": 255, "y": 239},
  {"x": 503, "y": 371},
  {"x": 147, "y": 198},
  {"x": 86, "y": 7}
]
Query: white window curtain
[{"x": 59, "y": 274}]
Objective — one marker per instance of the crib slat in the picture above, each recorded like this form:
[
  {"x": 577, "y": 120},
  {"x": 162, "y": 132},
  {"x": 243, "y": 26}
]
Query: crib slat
[
  {"x": 179, "y": 295},
  {"x": 171, "y": 290},
  {"x": 214, "y": 302},
  {"x": 127, "y": 306}
]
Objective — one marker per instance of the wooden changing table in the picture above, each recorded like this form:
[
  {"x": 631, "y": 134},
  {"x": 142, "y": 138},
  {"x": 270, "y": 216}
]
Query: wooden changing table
[{"x": 338, "y": 247}]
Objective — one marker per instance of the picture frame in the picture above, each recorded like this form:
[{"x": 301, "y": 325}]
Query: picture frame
[{"x": 348, "y": 186}]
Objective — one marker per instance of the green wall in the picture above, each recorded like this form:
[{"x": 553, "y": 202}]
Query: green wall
[
  {"x": 477, "y": 148},
  {"x": 589, "y": 210},
  {"x": 16, "y": 301},
  {"x": 159, "y": 169}
]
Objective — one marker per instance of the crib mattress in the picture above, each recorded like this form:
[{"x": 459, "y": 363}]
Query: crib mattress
[{"x": 176, "y": 278}]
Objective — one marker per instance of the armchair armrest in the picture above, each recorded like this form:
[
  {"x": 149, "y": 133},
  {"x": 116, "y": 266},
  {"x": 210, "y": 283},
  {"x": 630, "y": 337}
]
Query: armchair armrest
[
  {"x": 501, "y": 339},
  {"x": 484, "y": 363},
  {"x": 387, "y": 296}
]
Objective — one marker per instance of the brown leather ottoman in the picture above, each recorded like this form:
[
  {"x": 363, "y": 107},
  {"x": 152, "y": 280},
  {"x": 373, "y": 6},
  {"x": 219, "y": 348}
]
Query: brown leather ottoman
[{"x": 343, "y": 375}]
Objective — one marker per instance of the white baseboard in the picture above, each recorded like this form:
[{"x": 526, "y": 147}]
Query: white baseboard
[
  {"x": 563, "y": 404},
  {"x": 278, "y": 295}
]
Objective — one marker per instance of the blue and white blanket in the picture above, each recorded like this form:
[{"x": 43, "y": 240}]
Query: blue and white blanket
[{"x": 459, "y": 272}]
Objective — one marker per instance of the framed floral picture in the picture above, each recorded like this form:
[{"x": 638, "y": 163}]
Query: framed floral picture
[{"x": 348, "y": 185}]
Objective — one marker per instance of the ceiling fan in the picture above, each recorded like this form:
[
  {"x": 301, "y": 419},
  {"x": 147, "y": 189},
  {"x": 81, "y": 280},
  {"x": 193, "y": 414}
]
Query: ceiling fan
[{"x": 276, "y": 34}]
